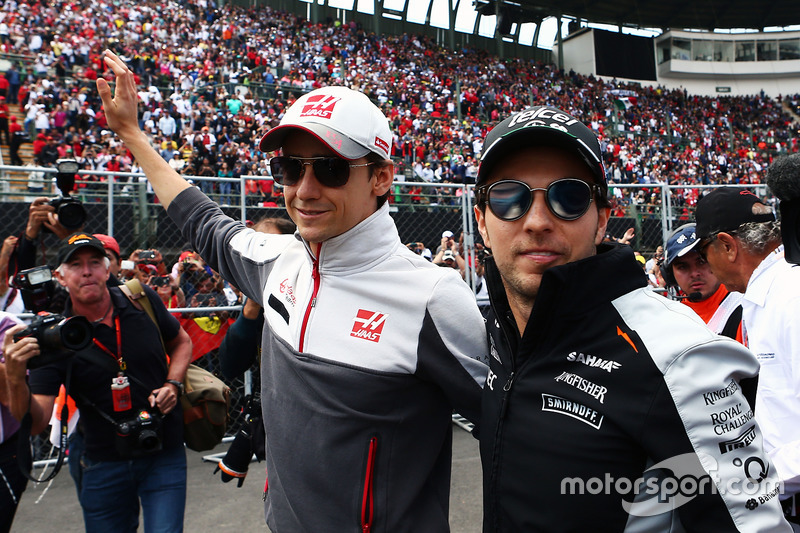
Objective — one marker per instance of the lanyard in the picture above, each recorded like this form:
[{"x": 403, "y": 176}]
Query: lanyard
[{"x": 118, "y": 357}]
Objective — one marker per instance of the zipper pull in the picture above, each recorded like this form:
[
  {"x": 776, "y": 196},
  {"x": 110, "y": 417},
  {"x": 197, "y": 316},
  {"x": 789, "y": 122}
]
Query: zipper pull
[
  {"x": 504, "y": 400},
  {"x": 507, "y": 386}
]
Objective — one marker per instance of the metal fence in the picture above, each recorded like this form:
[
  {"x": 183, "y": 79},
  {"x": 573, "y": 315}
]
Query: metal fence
[{"x": 122, "y": 205}]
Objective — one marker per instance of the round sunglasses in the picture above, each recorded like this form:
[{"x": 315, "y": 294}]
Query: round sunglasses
[
  {"x": 567, "y": 198},
  {"x": 329, "y": 171}
]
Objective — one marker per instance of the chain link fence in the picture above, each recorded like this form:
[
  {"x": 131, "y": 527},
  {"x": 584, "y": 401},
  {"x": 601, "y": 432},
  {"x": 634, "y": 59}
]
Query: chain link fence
[{"x": 123, "y": 205}]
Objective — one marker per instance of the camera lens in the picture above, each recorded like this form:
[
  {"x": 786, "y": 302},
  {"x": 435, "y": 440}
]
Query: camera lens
[
  {"x": 149, "y": 441},
  {"x": 75, "y": 333},
  {"x": 71, "y": 215}
]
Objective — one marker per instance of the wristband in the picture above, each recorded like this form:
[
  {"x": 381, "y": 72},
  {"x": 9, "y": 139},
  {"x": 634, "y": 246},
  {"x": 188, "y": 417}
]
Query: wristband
[{"x": 177, "y": 384}]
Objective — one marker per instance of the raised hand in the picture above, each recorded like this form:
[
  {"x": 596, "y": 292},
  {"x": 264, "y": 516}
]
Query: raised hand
[{"x": 121, "y": 108}]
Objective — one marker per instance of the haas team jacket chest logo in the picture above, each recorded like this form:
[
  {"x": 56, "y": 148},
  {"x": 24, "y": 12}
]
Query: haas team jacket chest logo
[{"x": 368, "y": 325}]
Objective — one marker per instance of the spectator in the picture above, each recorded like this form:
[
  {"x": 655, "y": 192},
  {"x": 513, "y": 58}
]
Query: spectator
[
  {"x": 14, "y": 481},
  {"x": 112, "y": 253},
  {"x": 741, "y": 240},
  {"x": 17, "y": 136}
]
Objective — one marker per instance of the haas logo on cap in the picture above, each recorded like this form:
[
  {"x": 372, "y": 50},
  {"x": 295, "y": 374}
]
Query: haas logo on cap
[{"x": 319, "y": 105}]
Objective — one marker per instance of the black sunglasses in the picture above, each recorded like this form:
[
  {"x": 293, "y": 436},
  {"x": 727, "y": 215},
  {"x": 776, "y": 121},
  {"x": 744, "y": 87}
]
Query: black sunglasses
[
  {"x": 567, "y": 198},
  {"x": 702, "y": 246},
  {"x": 329, "y": 171}
]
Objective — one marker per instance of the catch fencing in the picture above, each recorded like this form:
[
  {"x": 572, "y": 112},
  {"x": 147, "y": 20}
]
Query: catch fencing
[{"x": 123, "y": 205}]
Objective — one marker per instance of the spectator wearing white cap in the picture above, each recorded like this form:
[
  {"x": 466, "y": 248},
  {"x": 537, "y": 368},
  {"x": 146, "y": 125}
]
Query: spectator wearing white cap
[{"x": 367, "y": 347}]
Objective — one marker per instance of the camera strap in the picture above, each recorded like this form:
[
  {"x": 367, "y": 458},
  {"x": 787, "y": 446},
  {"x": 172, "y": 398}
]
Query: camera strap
[
  {"x": 24, "y": 456},
  {"x": 102, "y": 361}
]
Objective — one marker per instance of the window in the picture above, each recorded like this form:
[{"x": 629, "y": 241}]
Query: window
[
  {"x": 723, "y": 51},
  {"x": 789, "y": 49},
  {"x": 703, "y": 50},
  {"x": 767, "y": 50},
  {"x": 746, "y": 51},
  {"x": 664, "y": 51},
  {"x": 682, "y": 49}
]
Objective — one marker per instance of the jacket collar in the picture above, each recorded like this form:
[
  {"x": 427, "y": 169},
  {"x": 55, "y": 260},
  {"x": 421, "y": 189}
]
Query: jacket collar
[
  {"x": 760, "y": 280},
  {"x": 360, "y": 248},
  {"x": 589, "y": 283}
]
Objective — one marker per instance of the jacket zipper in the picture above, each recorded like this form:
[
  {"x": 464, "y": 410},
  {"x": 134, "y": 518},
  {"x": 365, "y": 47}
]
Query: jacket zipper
[
  {"x": 312, "y": 303},
  {"x": 499, "y": 428},
  {"x": 367, "y": 500}
]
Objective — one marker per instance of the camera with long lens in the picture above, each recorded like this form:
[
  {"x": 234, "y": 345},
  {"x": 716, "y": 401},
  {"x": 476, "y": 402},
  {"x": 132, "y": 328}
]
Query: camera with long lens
[
  {"x": 59, "y": 337},
  {"x": 36, "y": 285},
  {"x": 140, "y": 435},
  {"x": 70, "y": 211}
]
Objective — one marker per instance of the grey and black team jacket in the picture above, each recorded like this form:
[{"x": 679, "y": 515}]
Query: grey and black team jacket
[
  {"x": 611, "y": 388},
  {"x": 366, "y": 350}
]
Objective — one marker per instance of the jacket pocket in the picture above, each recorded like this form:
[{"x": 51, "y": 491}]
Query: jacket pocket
[{"x": 368, "y": 496}]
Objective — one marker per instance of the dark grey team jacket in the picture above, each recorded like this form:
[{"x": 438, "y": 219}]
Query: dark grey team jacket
[{"x": 366, "y": 350}]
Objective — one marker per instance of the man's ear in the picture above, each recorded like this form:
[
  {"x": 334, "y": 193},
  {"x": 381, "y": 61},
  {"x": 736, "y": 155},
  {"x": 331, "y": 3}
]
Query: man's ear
[
  {"x": 603, "y": 214},
  {"x": 728, "y": 246},
  {"x": 384, "y": 175},
  {"x": 480, "y": 217},
  {"x": 59, "y": 278}
]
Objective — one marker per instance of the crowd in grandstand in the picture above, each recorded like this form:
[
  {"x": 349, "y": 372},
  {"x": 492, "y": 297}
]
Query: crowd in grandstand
[{"x": 214, "y": 80}]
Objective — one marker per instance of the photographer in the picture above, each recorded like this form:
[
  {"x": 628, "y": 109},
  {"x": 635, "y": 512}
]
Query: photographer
[
  {"x": 131, "y": 426},
  {"x": 10, "y": 299},
  {"x": 41, "y": 216},
  {"x": 15, "y": 482},
  {"x": 167, "y": 289}
]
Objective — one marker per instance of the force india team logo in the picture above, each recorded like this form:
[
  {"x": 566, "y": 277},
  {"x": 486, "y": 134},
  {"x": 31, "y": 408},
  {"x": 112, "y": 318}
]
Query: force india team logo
[{"x": 368, "y": 325}]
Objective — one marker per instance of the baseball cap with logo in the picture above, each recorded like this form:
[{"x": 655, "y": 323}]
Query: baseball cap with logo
[
  {"x": 680, "y": 242},
  {"x": 345, "y": 120},
  {"x": 448, "y": 255},
  {"x": 727, "y": 208},
  {"x": 75, "y": 242},
  {"x": 542, "y": 126}
]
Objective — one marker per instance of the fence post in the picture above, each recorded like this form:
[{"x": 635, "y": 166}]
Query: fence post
[
  {"x": 666, "y": 211},
  {"x": 110, "y": 189},
  {"x": 140, "y": 229},
  {"x": 242, "y": 198},
  {"x": 469, "y": 248}
]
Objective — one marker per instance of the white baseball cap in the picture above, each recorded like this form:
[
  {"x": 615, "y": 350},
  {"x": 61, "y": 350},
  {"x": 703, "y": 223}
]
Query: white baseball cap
[
  {"x": 447, "y": 234},
  {"x": 344, "y": 119}
]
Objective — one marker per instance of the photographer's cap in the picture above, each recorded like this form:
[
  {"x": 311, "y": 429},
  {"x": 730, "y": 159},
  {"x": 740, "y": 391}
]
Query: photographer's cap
[
  {"x": 542, "y": 126},
  {"x": 344, "y": 119},
  {"x": 727, "y": 208},
  {"x": 75, "y": 242}
]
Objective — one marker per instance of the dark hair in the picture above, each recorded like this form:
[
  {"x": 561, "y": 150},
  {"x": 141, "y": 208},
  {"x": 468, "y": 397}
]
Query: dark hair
[
  {"x": 283, "y": 225},
  {"x": 379, "y": 162}
]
